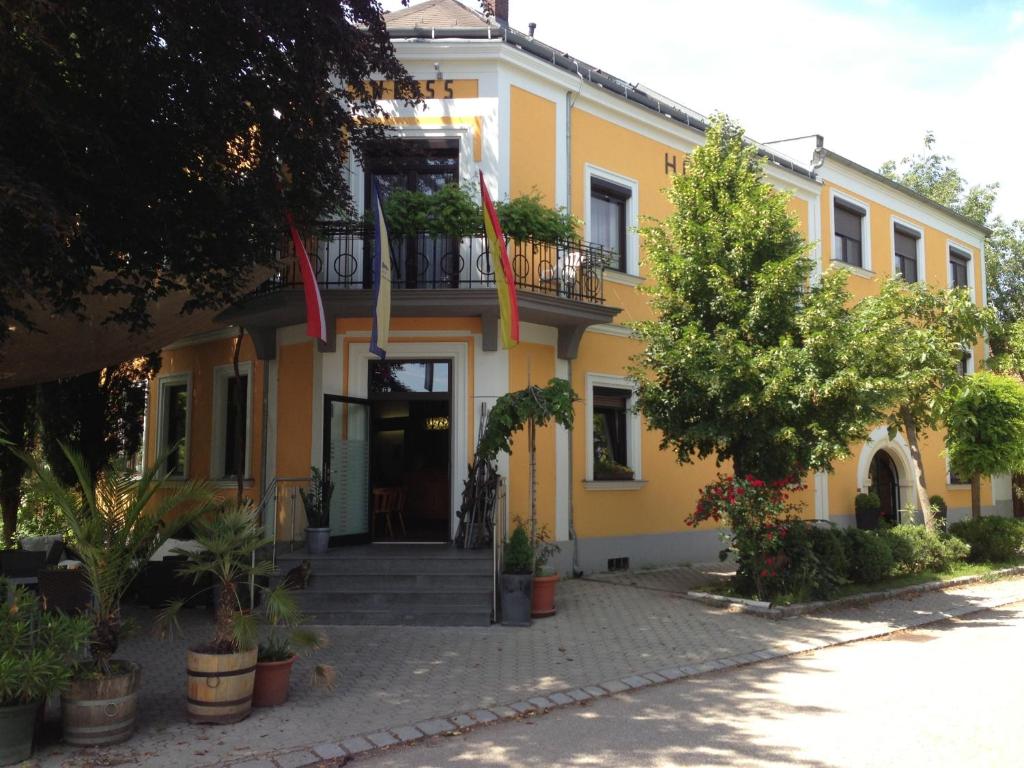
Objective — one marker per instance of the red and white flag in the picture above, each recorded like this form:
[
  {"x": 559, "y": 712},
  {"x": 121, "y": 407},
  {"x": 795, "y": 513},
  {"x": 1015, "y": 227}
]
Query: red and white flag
[{"x": 316, "y": 323}]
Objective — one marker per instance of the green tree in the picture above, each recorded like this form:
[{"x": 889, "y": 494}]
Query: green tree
[
  {"x": 908, "y": 340},
  {"x": 17, "y": 427},
  {"x": 143, "y": 143},
  {"x": 744, "y": 361},
  {"x": 984, "y": 418},
  {"x": 934, "y": 176}
]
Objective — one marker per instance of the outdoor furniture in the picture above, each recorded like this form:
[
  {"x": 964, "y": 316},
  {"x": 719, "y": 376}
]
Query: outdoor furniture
[
  {"x": 22, "y": 566},
  {"x": 388, "y": 505}
]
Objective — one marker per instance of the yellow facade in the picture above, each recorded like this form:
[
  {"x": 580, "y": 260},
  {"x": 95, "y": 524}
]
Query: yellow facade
[{"x": 518, "y": 120}]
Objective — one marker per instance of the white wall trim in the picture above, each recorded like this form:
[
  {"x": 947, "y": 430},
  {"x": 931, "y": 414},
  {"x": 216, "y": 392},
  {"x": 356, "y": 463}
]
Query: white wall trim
[
  {"x": 562, "y": 437},
  {"x": 865, "y": 228},
  {"x": 458, "y": 352},
  {"x": 899, "y": 451},
  {"x": 162, "y": 382},
  {"x": 610, "y": 329},
  {"x": 222, "y": 374},
  {"x": 634, "y": 428},
  {"x": 821, "y": 509},
  {"x": 591, "y": 172},
  {"x": 952, "y": 246}
]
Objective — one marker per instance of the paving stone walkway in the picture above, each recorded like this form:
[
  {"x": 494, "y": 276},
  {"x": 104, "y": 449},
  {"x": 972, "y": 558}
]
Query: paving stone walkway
[{"x": 400, "y": 683}]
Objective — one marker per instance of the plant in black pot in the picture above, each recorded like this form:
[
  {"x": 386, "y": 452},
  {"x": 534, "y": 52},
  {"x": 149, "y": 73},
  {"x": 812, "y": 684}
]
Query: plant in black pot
[
  {"x": 37, "y": 650},
  {"x": 517, "y": 579},
  {"x": 221, "y": 672},
  {"x": 118, "y": 521},
  {"x": 317, "y": 503}
]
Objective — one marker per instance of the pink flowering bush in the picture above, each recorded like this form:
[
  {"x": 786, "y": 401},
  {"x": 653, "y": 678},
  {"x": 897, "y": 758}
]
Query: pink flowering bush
[{"x": 772, "y": 545}]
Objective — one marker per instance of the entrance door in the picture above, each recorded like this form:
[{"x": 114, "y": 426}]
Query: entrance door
[
  {"x": 347, "y": 464},
  {"x": 885, "y": 483}
]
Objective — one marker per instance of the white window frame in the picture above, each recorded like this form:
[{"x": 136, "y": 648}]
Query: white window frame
[
  {"x": 222, "y": 374},
  {"x": 949, "y": 478},
  {"x": 633, "y": 426},
  {"x": 591, "y": 172},
  {"x": 964, "y": 253},
  {"x": 162, "y": 383},
  {"x": 865, "y": 230},
  {"x": 895, "y": 221}
]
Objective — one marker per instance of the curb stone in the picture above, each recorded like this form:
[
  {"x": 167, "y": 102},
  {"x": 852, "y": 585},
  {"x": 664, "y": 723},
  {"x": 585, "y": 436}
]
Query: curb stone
[
  {"x": 340, "y": 753},
  {"x": 769, "y": 611}
]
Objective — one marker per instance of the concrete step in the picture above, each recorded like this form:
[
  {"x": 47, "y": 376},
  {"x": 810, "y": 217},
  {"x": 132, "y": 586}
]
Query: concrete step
[
  {"x": 315, "y": 601},
  {"x": 398, "y": 565},
  {"x": 425, "y": 618},
  {"x": 363, "y": 582}
]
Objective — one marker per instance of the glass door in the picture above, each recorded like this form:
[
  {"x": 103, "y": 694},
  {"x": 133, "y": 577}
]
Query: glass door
[{"x": 347, "y": 464}]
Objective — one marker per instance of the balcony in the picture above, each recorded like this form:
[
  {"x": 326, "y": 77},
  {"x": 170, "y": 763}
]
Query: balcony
[{"x": 559, "y": 284}]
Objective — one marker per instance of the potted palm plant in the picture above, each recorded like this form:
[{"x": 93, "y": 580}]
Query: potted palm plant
[
  {"x": 117, "y": 523},
  {"x": 221, "y": 672},
  {"x": 317, "y": 504},
  {"x": 277, "y": 652},
  {"x": 36, "y": 653}
]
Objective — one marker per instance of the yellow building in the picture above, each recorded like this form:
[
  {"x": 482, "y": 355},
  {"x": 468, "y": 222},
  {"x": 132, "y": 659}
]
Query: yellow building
[{"x": 533, "y": 120}]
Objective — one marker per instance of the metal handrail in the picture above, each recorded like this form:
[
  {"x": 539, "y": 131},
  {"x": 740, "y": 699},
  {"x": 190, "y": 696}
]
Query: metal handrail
[{"x": 270, "y": 493}]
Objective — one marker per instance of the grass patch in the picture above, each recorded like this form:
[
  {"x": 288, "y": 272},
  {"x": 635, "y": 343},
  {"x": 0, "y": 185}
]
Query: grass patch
[{"x": 725, "y": 588}]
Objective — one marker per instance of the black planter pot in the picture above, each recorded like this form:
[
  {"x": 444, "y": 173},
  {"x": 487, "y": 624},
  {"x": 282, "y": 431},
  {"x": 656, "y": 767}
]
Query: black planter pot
[
  {"x": 516, "y": 599},
  {"x": 17, "y": 724}
]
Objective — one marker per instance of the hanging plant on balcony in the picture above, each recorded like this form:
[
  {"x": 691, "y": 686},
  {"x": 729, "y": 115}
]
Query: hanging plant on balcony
[
  {"x": 451, "y": 211},
  {"x": 526, "y": 218}
]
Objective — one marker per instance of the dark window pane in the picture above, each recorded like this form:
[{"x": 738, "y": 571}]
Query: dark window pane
[
  {"x": 174, "y": 427},
  {"x": 905, "y": 243},
  {"x": 611, "y": 461},
  {"x": 238, "y": 395},
  {"x": 958, "y": 270},
  {"x": 848, "y": 222},
  {"x": 907, "y": 267},
  {"x": 409, "y": 376},
  {"x": 608, "y": 203}
]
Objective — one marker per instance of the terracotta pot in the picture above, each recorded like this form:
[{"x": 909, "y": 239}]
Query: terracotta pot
[
  {"x": 101, "y": 710},
  {"x": 543, "y": 596},
  {"x": 271, "y": 686}
]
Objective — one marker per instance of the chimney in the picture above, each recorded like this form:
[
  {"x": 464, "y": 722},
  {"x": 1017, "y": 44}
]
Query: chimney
[{"x": 501, "y": 12}]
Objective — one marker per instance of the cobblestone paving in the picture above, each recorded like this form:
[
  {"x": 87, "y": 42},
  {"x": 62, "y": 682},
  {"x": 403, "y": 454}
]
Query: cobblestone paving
[
  {"x": 680, "y": 579},
  {"x": 393, "y": 678}
]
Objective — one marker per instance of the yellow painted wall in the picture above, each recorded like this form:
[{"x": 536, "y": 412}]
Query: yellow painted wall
[
  {"x": 532, "y": 363},
  {"x": 532, "y": 150},
  {"x": 294, "y": 409}
]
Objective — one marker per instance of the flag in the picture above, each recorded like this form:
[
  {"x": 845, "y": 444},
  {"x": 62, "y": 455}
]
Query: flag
[
  {"x": 381, "y": 279},
  {"x": 316, "y": 324},
  {"x": 504, "y": 279}
]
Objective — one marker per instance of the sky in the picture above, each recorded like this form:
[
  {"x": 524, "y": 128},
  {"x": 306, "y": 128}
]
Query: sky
[{"x": 871, "y": 76}]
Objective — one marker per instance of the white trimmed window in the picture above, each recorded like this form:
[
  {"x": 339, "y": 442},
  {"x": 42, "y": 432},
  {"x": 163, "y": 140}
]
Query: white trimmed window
[
  {"x": 612, "y": 429},
  {"x": 851, "y": 232},
  {"x": 612, "y": 215},
  {"x": 959, "y": 268},
  {"x": 907, "y": 251},
  {"x": 229, "y": 394},
  {"x": 174, "y": 411}
]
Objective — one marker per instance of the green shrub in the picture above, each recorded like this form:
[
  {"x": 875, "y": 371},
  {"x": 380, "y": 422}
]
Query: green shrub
[
  {"x": 869, "y": 556},
  {"x": 867, "y": 503},
  {"x": 939, "y": 508},
  {"x": 992, "y": 539},
  {"x": 527, "y": 217},
  {"x": 450, "y": 211},
  {"x": 518, "y": 552},
  {"x": 916, "y": 549},
  {"x": 832, "y": 561}
]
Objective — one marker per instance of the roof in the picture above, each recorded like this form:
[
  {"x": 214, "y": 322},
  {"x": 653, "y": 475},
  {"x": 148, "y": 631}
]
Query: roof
[
  {"x": 433, "y": 14},
  {"x": 965, "y": 220}
]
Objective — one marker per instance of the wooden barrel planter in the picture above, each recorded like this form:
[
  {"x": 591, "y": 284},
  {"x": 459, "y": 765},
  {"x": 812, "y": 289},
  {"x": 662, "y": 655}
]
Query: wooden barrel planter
[
  {"x": 272, "y": 679},
  {"x": 220, "y": 686},
  {"x": 101, "y": 710}
]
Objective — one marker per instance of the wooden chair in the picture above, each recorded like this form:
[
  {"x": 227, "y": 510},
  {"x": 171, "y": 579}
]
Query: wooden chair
[{"x": 389, "y": 505}]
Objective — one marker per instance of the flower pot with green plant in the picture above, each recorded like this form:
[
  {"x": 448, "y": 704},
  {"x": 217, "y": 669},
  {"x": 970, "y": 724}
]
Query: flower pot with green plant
[
  {"x": 317, "y": 504},
  {"x": 545, "y": 580},
  {"x": 117, "y": 523},
  {"x": 867, "y": 507},
  {"x": 37, "y": 650},
  {"x": 517, "y": 579},
  {"x": 278, "y": 650},
  {"x": 221, "y": 672}
]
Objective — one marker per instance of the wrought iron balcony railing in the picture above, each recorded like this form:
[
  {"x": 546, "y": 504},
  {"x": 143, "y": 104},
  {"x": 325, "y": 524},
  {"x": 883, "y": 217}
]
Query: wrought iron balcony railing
[{"x": 342, "y": 257}]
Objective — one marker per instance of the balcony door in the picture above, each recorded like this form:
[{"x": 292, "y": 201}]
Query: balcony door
[{"x": 425, "y": 166}]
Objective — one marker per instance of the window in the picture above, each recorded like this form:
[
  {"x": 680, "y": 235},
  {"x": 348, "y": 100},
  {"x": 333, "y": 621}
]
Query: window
[
  {"x": 613, "y": 432},
  {"x": 230, "y": 454},
  {"x": 848, "y": 222},
  {"x": 609, "y": 205},
  {"x": 905, "y": 245},
  {"x": 172, "y": 424},
  {"x": 958, "y": 268},
  {"x": 964, "y": 367}
]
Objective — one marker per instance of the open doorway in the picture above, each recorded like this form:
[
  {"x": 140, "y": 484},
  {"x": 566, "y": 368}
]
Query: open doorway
[
  {"x": 884, "y": 479},
  {"x": 410, "y": 434}
]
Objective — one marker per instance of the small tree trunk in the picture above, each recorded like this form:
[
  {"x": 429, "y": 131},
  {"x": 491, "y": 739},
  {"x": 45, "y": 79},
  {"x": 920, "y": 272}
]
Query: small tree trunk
[
  {"x": 976, "y": 496},
  {"x": 239, "y": 420},
  {"x": 227, "y": 604},
  {"x": 910, "y": 425},
  {"x": 532, "y": 434}
]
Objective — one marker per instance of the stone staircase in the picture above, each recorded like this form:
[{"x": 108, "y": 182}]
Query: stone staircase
[{"x": 414, "y": 584}]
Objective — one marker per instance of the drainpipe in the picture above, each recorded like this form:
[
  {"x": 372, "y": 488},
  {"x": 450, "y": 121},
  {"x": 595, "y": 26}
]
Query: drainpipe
[{"x": 570, "y": 101}]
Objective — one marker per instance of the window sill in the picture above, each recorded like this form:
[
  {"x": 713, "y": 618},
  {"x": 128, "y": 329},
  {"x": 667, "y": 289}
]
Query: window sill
[
  {"x": 958, "y": 486},
  {"x": 859, "y": 271},
  {"x": 623, "y": 278},
  {"x": 613, "y": 485},
  {"x": 229, "y": 482}
]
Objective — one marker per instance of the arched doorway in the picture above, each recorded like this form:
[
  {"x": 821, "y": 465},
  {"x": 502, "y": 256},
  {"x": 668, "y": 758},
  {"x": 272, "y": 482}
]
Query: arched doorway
[{"x": 884, "y": 480}]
